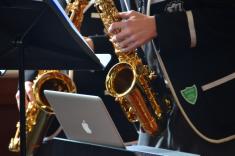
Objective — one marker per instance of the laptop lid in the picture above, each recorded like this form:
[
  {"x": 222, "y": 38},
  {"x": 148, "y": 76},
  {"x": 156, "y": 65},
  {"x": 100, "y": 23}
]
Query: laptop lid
[{"x": 84, "y": 118}]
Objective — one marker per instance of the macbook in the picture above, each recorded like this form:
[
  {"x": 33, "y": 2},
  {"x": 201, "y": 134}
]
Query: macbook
[{"x": 84, "y": 118}]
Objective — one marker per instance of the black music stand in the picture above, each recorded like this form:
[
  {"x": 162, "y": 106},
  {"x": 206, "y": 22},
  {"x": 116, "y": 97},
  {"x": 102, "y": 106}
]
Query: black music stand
[
  {"x": 37, "y": 34},
  {"x": 42, "y": 32}
]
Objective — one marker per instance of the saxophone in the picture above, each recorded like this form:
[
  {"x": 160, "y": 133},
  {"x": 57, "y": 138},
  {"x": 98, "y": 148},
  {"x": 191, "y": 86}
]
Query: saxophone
[
  {"x": 129, "y": 81},
  {"x": 75, "y": 11},
  {"x": 39, "y": 113}
]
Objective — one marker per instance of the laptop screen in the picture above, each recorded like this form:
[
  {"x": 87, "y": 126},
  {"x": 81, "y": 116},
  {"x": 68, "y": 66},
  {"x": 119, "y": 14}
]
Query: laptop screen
[{"x": 84, "y": 118}]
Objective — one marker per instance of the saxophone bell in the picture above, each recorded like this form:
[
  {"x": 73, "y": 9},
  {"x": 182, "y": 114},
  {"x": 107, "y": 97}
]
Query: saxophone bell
[{"x": 121, "y": 82}]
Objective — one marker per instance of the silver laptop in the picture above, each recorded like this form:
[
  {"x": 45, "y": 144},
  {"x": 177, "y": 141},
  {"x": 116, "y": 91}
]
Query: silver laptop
[{"x": 84, "y": 118}]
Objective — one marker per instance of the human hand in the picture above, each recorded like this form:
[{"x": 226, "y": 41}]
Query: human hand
[
  {"x": 89, "y": 42},
  {"x": 136, "y": 29},
  {"x": 29, "y": 97}
]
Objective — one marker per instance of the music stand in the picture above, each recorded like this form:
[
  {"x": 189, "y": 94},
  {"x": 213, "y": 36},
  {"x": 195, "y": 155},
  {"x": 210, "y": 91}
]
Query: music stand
[
  {"x": 39, "y": 35},
  {"x": 48, "y": 37}
]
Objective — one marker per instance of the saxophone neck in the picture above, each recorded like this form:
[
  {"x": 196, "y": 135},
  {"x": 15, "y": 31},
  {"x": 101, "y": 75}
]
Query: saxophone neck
[
  {"x": 108, "y": 12},
  {"x": 75, "y": 9}
]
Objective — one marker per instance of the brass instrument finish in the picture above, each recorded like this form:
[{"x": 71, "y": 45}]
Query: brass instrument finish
[
  {"x": 129, "y": 80},
  {"x": 74, "y": 10},
  {"x": 39, "y": 112}
]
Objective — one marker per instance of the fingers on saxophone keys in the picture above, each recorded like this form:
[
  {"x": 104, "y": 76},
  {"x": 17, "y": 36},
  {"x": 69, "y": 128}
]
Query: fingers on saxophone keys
[
  {"x": 125, "y": 15},
  {"x": 119, "y": 37},
  {"x": 114, "y": 26},
  {"x": 115, "y": 42},
  {"x": 131, "y": 46},
  {"x": 128, "y": 41},
  {"x": 118, "y": 46}
]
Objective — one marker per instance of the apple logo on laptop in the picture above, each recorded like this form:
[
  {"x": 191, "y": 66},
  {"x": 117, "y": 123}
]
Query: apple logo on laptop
[{"x": 86, "y": 127}]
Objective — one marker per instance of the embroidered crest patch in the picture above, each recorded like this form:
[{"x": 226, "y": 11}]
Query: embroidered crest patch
[
  {"x": 190, "y": 94},
  {"x": 175, "y": 6}
]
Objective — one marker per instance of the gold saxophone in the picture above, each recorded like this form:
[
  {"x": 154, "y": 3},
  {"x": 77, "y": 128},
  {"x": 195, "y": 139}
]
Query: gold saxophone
[
  {"x": 74, "y": 10},
  {"x": 129, "y": 81},
  {"x": 39, "y": 113}
]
